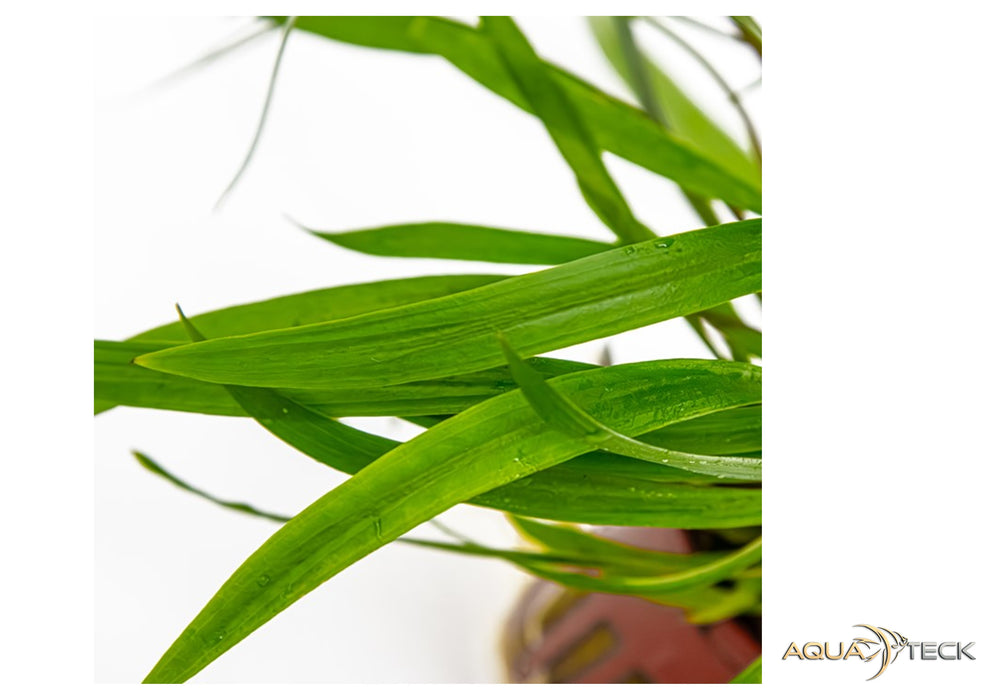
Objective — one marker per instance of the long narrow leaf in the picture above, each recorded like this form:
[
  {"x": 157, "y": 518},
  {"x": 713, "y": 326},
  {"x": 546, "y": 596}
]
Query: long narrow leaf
[
  {"x": 734, "y": 431},
  {"x": 616, "y": 126},
  {"x": 493, "y": 443},
  {"x": 568, "y": 493},
  {"x": 583, "y": 300},
  {"x": 546, "y": 99},
  {"x": 703, "y": 606},
  {"x": 602, "y": 551},
  {"x": 591, "y": 488},
  {"x": 712, "y": 572},
  {"x": 118, "y": 381},
  {"x": 669, "y": 106},
  {"x": 563, "y": 545},
  {"x": 262, "y": 120},
  {"x": 732, "y": 94},
  {"x": 463, "y": 548},
  {"x": 319, "y": 305},
  {"x": 465, "y": 242},
  {"x": 558, "y": 411},
  {"x": 238, "y": 506},
  {"x": 678, "y": 111}
]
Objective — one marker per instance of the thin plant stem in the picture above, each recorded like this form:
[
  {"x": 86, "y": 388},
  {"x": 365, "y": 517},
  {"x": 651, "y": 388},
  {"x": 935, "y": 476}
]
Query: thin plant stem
[
  {"x": 733, "y": 96},
  {"x": 749, "y": 32},
  {"x": 636, "y": 64},
  {"x": 211, "y": 56},
  {"x": 643, "y": 88},
  {"x": 286, "y": 30},
  {"x": 706, "y": 27}
]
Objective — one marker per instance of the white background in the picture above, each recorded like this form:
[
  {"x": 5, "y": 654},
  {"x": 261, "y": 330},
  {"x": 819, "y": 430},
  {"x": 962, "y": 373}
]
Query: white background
[{"x": 880, "y": 264}]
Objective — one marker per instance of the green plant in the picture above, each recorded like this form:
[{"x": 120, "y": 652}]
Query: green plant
[{"x": 666, "y": 443}]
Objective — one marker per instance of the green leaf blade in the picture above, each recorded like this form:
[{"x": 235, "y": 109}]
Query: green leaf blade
[
  {"x": 547, "y": 100},
  {"x": 701, "y": 575},
  {"x": 615, "y": 125},
  {"x": 151, "y": 465},
  {"x": 384, "y": 32},
  {"x": 583, "y": 300},
  {"x": 494, "y": 443},
  {"x": 679, "y": 112},
  {"x": 607, "y": 554},
  {"x": 465, "y": 242},
  {"x": 558, "y": 411},
  {"x": 567, "y": 494},
  {"x": 754, "y": 673},
  {"x": 117, "y": 381},
  {"x": 319, "y": 305}
]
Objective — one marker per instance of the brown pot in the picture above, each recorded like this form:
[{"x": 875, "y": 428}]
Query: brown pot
[{"x": 555, "y": 635}]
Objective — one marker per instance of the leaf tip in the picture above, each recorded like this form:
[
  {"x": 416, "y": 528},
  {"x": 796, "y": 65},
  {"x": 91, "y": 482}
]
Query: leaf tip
[
  {"x": 145, "y": 461},
  {"x": 192, "y": 332},
  {"x": 296, "y": 223},
  {"x": 142, "y": 360},
  {"x": 508, "y": 350}
]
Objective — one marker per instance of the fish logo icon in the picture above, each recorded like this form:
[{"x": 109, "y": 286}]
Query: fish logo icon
[{"x": 887, "y": 646}]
